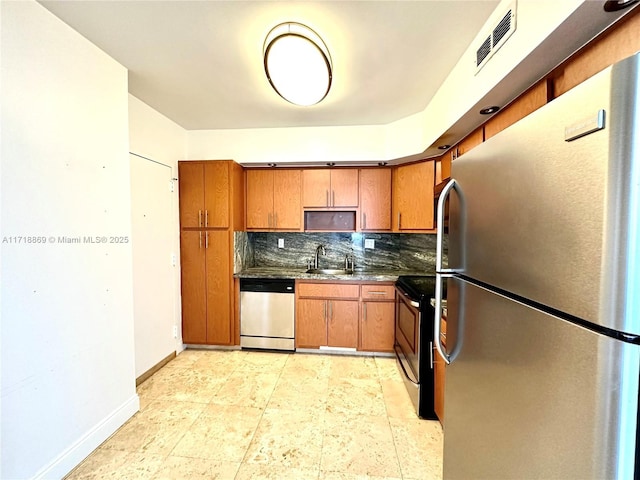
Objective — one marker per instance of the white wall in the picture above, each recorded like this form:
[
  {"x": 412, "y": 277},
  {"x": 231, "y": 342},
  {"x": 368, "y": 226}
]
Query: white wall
[
  {"x": 154, "y": 136},
  {"x": 67, "y": 314},
  {"x": 158, "y": 139},
  {"x": 288, "y": 145}
]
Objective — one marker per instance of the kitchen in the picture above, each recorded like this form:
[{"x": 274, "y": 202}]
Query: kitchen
[{"x": 108, "y": 352}]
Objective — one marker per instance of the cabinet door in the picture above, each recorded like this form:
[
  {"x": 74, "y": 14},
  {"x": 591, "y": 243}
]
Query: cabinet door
[
  {"x": 191, "y": 181},
  {"x": 259, "y": 198},
  {"x": 375, "y": 199},
  {"x": 216, "y": 194},
  {"x": 344, "y": 188},
  {"x": 316, "y": 186},
  {"x": 342, "y": 330},
  {"x": 377, "y": 326},
  {"x": 286, "y": 199},
  {"x": 193, "y": 286},
  {"x": 413, "y": 196},
  {"x": 311, "y": 323},
  {"x": 218, "y": 287}
]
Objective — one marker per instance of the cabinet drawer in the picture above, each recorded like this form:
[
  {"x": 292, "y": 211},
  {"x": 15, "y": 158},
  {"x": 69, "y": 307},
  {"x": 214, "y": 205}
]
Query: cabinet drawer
[
  {"x": 378, "y": 292},
  {"x": 328, "y": 290}
]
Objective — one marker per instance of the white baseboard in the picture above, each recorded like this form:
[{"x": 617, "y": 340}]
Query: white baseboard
[{"x": 76, "y": 453}]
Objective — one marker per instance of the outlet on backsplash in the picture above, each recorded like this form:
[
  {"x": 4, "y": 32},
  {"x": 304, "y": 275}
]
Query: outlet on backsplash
[
  {"x": 369, "y": 243},
  {"x": 281, "y": 243}
]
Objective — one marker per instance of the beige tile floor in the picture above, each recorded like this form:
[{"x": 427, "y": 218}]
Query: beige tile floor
[{"x": 257, "y": 415}]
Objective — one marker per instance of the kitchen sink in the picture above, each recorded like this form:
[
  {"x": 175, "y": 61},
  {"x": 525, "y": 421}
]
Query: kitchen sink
[{"x": 329, "y": 271}]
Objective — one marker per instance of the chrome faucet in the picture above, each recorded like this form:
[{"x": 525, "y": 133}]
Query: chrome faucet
[
  {"x": 319, "y": 250},
  {"x": 349, "y": 262}
]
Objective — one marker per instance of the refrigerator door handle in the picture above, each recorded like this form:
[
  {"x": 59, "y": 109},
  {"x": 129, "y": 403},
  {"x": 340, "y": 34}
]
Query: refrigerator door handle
[
  {"x": 440, "y": 223},
  {"x": 438, "y": 314}
]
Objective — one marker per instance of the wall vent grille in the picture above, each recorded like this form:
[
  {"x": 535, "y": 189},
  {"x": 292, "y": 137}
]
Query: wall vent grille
[
  {"x": 499, "y": 35},
  {"x": 484, "y": 51},
  {"x": 502, "y": 28}
]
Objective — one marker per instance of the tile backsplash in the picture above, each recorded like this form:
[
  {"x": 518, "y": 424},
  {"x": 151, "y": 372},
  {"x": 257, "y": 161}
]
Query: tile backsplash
[{"x": 414, "y": 252}]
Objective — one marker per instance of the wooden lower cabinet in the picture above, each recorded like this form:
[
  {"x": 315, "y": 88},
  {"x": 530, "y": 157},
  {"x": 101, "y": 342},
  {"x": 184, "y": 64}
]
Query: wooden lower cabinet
[
  {"x": 346, "y": 315},
  {"x": 332, "y": 323},
  {"x": 311, "y": 323},
  {"x": 342, "y": 327},
  {"x": 377, "y": 326},
  {"x": 206, "y": 287},
  {"x": 194, "y": 287}
]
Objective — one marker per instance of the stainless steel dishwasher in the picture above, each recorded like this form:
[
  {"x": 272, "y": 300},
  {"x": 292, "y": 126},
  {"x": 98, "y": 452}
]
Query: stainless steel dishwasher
[{"x": 267, "y": 313}]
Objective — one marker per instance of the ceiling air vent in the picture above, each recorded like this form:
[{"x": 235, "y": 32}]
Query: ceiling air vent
[{"x": 499, "y": 35}]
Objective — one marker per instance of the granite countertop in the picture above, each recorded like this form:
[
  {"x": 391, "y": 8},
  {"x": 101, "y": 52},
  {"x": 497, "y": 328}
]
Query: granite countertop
[{"x": 299, "y": 273}]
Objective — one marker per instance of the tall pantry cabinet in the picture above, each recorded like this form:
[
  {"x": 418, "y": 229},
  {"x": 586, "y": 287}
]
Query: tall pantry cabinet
[{"x": 211, "y": 209}]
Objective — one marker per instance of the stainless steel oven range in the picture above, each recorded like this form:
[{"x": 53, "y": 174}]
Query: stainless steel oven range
[{"x": 414, "y": 340}]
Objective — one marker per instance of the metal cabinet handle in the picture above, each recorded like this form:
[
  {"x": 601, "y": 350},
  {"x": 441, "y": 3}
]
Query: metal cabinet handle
[
  {"x": 333, "y": 199},
  {"x": 206, "y": 240},
  {"x": 330, "y": 310},
  {"x": 431, "y": 355},
  {"x": 327, "y": 192},
  {"x": 364, "y": 312},
  {"x": 199, "y": 218},
  {"x": 275, "y": 220},
  {"x": 199, "y": 239},
  {"x": 399, "y": 219},
  {"x": 364, "y": 221},
  {"x": 324, "y": 310},
  {"x": 206, "y": 218},
  {"x": 376, "y": 293}
]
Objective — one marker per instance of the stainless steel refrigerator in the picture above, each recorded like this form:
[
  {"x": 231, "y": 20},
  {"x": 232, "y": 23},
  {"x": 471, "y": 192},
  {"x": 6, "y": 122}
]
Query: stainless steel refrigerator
[{"x": 543, "y": 292}]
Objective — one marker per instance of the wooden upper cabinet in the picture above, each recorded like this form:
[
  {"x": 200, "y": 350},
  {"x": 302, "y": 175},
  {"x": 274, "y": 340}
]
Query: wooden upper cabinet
[
  {"x": 204, "y": 194},
  {"x": 273, "y": 199},
  {"x": 471, "y": 141},
  {"x": 287, "y": 186},
  {"x": 259, "y": 198},
  {"x": 375, "y": 199},
  {"x": 325, "y": 188},
  {"x": 413, "y": 196},
  {"x": 216, "y": 194},
  {"x": 344, "y": 187},
  {"x": 191, "y": 181},
  {"x": 536, "y": 97},
  {"x": 316, "y": 186}
]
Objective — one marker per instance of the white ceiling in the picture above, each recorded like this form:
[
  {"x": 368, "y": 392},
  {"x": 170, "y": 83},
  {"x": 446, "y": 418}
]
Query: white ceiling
[{"x": 200, "y": 62}]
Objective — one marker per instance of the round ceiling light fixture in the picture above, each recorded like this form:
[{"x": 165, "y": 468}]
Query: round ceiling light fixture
[{"x": 297, "y": 63}]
